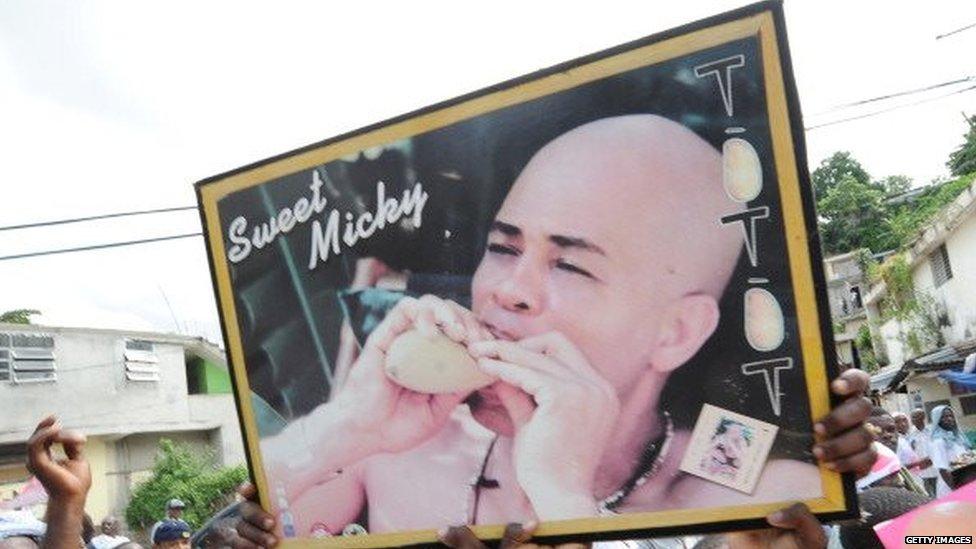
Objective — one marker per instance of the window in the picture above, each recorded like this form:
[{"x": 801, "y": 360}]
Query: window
[
  {"x": 968, "y": 404},
  {"x": 941, "y": 268},
  {"x": 141, "y": 362},
  {"x": 27, "y": 358},
  {"x": 856, "y": 298}
]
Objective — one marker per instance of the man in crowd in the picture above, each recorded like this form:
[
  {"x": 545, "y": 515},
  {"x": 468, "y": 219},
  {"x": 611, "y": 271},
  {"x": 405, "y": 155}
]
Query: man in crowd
[
  {"x": 111, "y": 537},
  {"x": 171, "y": 534},
  {"x": 174, "y": 511},
  {"x": 918, "y": 438}
]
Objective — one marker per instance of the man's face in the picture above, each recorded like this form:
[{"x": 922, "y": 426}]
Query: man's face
[
  {"x": 918, "y": 419},
  {"x": 110, "y": 526},
  {"x": 175, "y": 513},
  {"x": 889, "y": 433},
  {"x": 584, "y": 244},
  {"x": 901, "y": 423},
  {"x": 174, "y": 544},
  {"x": 948, "y": 421}
]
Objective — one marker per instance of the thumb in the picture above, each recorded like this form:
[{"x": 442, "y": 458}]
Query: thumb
[
  {"x": 801, "y": 521},
  {"x": 517, "y": 403}
]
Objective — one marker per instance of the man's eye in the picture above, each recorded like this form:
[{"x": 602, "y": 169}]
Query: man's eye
[
  {"x": 502, "y": 249},
  {"x": 569, "y": 267}
]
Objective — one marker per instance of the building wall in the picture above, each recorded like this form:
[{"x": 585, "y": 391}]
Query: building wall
[
  {"x": 957, "y": 295},
  {"x": 931, "y": 389},
  {"x": 91, "y": 392},
  {"x": 123, "y": 419}
]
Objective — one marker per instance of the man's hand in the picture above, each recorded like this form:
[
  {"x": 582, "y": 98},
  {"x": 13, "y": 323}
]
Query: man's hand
[
  {"x": 516, "y": 535},
  {"x": 558, "y": 440},
  {"x": 397, "y": 418},
  {"x": 256, "y": 527},
  {"x": 793, "y": 528},
  {"x": 846, "y": 444},
  {"x": 66, "y": 480}
]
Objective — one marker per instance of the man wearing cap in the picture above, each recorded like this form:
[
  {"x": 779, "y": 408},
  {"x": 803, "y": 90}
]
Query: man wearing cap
[
  {"x": 174, "y": 512},
  {"x": 171, "y": 534}
]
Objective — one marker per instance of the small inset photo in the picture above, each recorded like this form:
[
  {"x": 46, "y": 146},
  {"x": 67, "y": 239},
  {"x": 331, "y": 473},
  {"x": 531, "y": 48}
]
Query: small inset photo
[{"x": 728, "y": 448}]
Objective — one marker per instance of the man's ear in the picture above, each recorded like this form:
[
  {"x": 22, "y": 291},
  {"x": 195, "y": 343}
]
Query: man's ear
[{"x": 684, "y": 327}]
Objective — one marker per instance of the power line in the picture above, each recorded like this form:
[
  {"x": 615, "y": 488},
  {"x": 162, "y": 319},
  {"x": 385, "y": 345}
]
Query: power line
[
  {"x": 99, "y": 246},
  {"x": 95, "y": 217},
  {"x": 896, "y": 94},
  {"x": 882, "y": 111},
  {"x": 950, "y": 33}
]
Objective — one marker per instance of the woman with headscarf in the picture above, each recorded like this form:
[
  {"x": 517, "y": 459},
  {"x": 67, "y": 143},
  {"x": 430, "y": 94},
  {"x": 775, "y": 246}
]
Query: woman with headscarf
[{"x": 947, "y": 445}]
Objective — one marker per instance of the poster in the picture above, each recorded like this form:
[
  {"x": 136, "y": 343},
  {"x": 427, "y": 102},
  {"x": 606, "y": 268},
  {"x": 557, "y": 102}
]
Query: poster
[{"x": 514, "y": 305}]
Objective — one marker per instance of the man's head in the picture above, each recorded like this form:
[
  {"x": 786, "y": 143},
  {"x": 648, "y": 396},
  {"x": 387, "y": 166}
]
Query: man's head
[
  {"x": 111, "y": 526},
  {"x": 172, "y": 534},
  {"x": 611, "y": 236},
  {"x": 174, "y": 508},
  {"x": 884, "y": 424},
  {"x": 918, "y": 418},
  {"x": 901, "y": 422},
  {"x": 948, "y": 419}
]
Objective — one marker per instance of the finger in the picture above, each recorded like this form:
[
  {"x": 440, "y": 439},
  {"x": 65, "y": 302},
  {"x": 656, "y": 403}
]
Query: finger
[
  {"x": 253, "y": 513},
  {"x": 460, "y": 537},
  {"x": 47, "y": 421},
  {"x": 425, "y": 322},
  {"x": 476, "y": 332},
  {"x": 39, "y": 458},
  {"x": 800, "y": 520},
  {"x": 447, "y": 318},
  {"x": 516, "y": 402},
  {"x": 256, "y": 535},
  {"x": 248, "y": 491},
  {"x": 851, "y": 413},
  {"x": 557, "y": 345},
  {"x": 510, "y": 351},
  {"x": 858, "y": 463},
  {"x": 852, "y": 382},
  {"x": 528, "y": 380},
  {"x": 517, "y": 534},
  {"x": 240, "y": 542},
  {"x": 73, "y": 443},
  {"x": 444, "y": 404},
  {"x": 397, "y": 321},
  {"x": 846, "y": 444}
]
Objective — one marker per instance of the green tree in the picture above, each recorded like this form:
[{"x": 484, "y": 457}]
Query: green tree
[
  {"x": 853, "y": 216},
  {"x": 833, "y": 170},
  {"x": 18, "y": 316},
  {"x": 180, "y": 473},
  {"x": 962, "y": 161},
  {"x": 895, "y": 184}
]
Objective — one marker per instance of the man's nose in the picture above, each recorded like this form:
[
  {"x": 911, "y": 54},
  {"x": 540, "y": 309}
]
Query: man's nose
[{"x": 522, "y": 291}]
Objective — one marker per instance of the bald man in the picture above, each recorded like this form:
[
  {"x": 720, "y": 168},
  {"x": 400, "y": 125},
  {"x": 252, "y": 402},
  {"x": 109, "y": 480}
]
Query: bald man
[{"x": 584, "y": 303}]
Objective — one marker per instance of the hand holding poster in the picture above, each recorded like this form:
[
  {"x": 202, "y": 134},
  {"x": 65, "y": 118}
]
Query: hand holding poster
[{"x": 514, "y": 306}]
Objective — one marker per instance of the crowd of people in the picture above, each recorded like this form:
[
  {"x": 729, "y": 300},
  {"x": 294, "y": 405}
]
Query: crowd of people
[{"x": 915, "y": 463}]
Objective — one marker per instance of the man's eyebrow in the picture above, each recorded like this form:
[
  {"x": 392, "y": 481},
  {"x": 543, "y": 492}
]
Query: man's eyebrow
[
  {"x": 564, "y": 241},
  {"x": 506, "y": 229}
]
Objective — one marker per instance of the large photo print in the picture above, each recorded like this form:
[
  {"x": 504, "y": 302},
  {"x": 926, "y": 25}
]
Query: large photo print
[{"x": 587, "y": 297}]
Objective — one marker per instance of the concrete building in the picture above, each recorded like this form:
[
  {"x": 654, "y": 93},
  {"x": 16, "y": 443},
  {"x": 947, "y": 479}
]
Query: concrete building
[
  {"x": 942, "y": 262},
  {"x": 846, "y": 284},
  {"x": 124, "y": 390}
]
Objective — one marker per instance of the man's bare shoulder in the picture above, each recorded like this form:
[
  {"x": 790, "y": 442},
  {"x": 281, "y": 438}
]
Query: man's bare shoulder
[{"x": 781, "y": 480}]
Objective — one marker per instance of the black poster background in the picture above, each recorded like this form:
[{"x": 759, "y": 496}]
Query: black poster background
[{"x": 290, "y": 316}]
